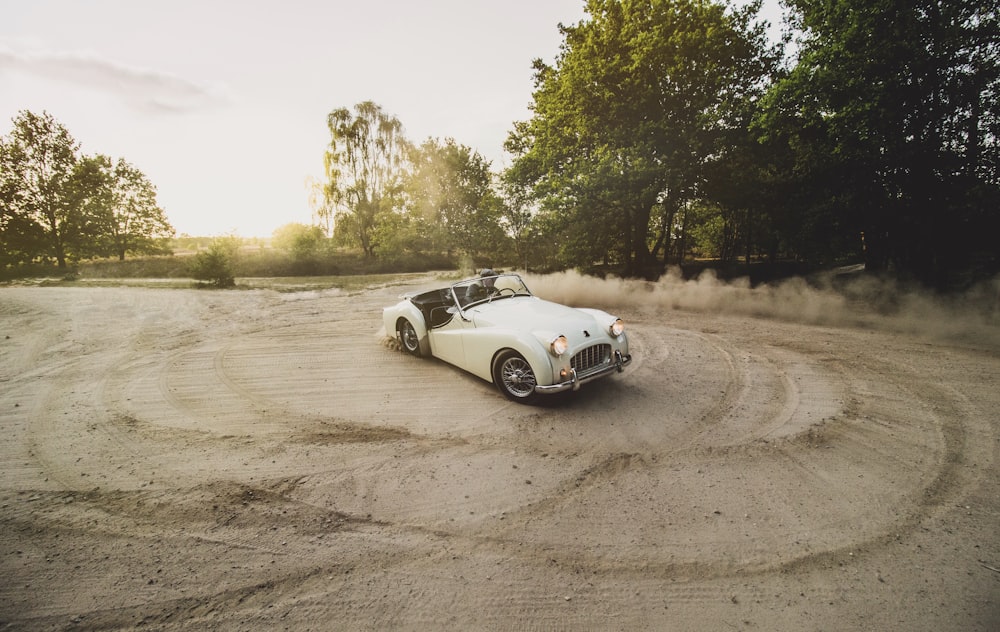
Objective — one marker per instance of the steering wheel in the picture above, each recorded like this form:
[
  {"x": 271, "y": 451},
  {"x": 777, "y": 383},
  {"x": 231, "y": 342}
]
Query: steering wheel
[{"x": 499, "y": 291}]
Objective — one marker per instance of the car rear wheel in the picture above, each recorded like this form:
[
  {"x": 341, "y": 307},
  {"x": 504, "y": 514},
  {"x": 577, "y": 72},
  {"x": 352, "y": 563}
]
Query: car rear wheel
[
  {"x": 408, "y": 336},
  {"x": 513, "y": 376}
]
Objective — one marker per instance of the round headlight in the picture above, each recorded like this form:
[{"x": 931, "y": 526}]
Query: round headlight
[
  {"x": 559, "y": 346},
  {"x": 617, "y": 327}
]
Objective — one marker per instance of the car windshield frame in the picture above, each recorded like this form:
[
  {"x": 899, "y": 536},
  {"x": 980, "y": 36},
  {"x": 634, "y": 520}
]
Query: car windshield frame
[{"x": 479, "y": 290}]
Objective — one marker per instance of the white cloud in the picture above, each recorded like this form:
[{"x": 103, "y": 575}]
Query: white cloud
[{"x": 141, "y": 88}]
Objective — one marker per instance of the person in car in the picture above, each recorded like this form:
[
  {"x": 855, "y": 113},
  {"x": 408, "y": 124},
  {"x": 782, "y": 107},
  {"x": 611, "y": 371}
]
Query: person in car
[{"x": 482, "y": 288}]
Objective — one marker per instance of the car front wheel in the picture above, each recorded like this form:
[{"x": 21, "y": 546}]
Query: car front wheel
[
  {"x": 513, "y": 376},
  {"x": 408, "y": 336}
]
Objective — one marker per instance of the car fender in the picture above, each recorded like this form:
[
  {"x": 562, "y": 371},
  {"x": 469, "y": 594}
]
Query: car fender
[
  {"x": 391, "y": 317},
  {"x": 604, "y": 320},
  {"x": 483, "y": 345}
]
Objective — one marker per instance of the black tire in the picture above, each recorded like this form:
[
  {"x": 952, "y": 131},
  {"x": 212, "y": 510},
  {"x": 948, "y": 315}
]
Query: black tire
[
  {"x": 408, "y": 338},
  {"x": 514, "y": 378}
]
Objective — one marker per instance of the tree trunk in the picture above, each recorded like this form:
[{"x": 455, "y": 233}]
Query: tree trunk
[{"x": 748, "y": 223}]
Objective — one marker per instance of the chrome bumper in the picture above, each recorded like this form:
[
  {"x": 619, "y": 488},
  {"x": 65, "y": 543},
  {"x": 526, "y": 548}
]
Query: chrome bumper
[{"x": 618, "y": 363}]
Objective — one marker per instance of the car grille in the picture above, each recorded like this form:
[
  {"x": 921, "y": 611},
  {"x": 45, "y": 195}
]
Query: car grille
[{"x": 591, "y": 358}]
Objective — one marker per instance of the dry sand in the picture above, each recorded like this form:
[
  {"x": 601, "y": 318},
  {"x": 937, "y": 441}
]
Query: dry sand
[{"x": 774, "y": 459}]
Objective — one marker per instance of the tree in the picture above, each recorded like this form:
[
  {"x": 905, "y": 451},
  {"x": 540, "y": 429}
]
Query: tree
[
  {"x": 363, "y": 166},
  {"x": 217, "y": 264},
  {"x": 640, "y": 98},
  {"x": 305, "y": 244},
  {"x": 120, "y": 211},
  {"x": 20, "y": 236},
  {"x": 59, "y": 205},
  {"x": 37, "y": 162},
  {"x": 449, "y": 191},
  {"x": 517, "y": 214},
  {"x": 890, "y": 117}
]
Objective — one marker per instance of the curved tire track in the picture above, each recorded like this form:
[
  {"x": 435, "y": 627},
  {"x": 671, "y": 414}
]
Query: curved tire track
[{"x": 730, "y": 449}]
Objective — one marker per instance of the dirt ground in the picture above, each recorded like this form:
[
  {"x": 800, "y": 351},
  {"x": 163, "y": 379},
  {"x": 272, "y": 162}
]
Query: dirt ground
[{"x": 249, "y": 460}]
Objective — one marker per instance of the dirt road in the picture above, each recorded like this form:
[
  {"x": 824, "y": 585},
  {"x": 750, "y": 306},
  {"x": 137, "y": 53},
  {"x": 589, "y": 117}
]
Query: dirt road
[{"x": 190, "y": 460}]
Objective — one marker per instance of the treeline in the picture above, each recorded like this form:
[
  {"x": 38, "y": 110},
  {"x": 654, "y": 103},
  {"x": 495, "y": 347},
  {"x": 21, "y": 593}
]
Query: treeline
[
  {"x": 664, "y": 131},
  {"x": 59, "y": 205},
  {"x": 669, "y": 129}
]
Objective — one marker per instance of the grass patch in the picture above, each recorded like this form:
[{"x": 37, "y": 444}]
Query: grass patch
[
  {"x": 254, "y": 267},
  {"x": 346, "y": 283}
]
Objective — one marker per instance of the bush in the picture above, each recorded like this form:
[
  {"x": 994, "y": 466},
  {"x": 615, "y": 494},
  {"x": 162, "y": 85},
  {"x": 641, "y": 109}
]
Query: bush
[{"x": 216, "y": 265}]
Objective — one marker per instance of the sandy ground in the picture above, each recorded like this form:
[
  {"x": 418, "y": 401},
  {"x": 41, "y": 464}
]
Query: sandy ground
[{"x": 248, "y": 460}]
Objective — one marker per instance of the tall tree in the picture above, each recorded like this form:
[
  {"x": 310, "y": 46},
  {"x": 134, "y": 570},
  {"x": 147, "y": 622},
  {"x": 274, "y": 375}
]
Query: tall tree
[
  {"x": 121, "y": 211},
  {"x": 364, "y": 163},
  {"x": 626, "y": 120},
  {"x": 37, "y": 161},
  {"x": 891, "y": 115},
  {"x": 449, "y": 188}
]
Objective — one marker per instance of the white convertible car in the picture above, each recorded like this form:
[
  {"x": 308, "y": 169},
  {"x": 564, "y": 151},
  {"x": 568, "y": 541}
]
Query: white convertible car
[{"x": 493, "y": 327}]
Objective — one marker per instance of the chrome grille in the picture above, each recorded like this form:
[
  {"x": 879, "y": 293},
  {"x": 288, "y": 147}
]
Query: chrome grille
[{"x": 591, "y": 358}]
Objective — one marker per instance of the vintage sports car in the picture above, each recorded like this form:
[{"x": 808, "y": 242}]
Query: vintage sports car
[{"x": 493, "y": 327}]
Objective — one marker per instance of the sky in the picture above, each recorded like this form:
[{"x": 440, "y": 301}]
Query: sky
[{"x": 223, "y": 104}]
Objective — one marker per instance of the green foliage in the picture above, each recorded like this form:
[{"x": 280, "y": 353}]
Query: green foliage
[
  {"x": 397, "y": 201},
  {"x": 60, "y": 206},
  {"x": 885, "y": 135},
  {"x": 643, "y": 95},
  {"x": 307, "y": 246},
  {"x": 40, "y": 219},
  {"x": 125, "y": 217},
  {"x": 363, "y": 166},
  {"x": 216, "y": 265},
  {"x": 402, "y": 234},
  {"x": 451, "y": 203},
  {"x": 149, "y": 267}
]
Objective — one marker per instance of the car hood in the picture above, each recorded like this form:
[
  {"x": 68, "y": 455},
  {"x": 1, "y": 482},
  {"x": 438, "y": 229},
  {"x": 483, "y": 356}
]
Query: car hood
[{"x": 532, "y": 314}]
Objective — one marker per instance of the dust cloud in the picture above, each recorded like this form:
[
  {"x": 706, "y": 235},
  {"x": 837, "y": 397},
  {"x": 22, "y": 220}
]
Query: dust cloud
[{"x": 843, "y": 299}]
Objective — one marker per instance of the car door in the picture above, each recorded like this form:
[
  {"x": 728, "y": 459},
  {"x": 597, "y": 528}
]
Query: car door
[{"x": 446, "y": 339}]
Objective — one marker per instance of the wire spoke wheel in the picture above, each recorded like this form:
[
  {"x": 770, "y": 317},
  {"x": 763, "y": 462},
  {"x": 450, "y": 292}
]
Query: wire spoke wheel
[
  {"x": 514, "y": 377},
  {"x": 408, "y": 336}
]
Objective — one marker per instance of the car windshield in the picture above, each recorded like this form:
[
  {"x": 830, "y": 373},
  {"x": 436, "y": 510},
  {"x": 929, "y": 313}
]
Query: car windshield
[{"x": 486, "y": 289}]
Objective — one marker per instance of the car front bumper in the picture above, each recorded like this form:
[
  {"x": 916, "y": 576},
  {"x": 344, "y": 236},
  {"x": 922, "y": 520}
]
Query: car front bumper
[{"x": 617, "y": 364}]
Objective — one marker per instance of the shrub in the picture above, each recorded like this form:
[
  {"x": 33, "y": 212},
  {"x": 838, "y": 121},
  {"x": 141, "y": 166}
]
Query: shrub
[{"x": 217, "y": 264}]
